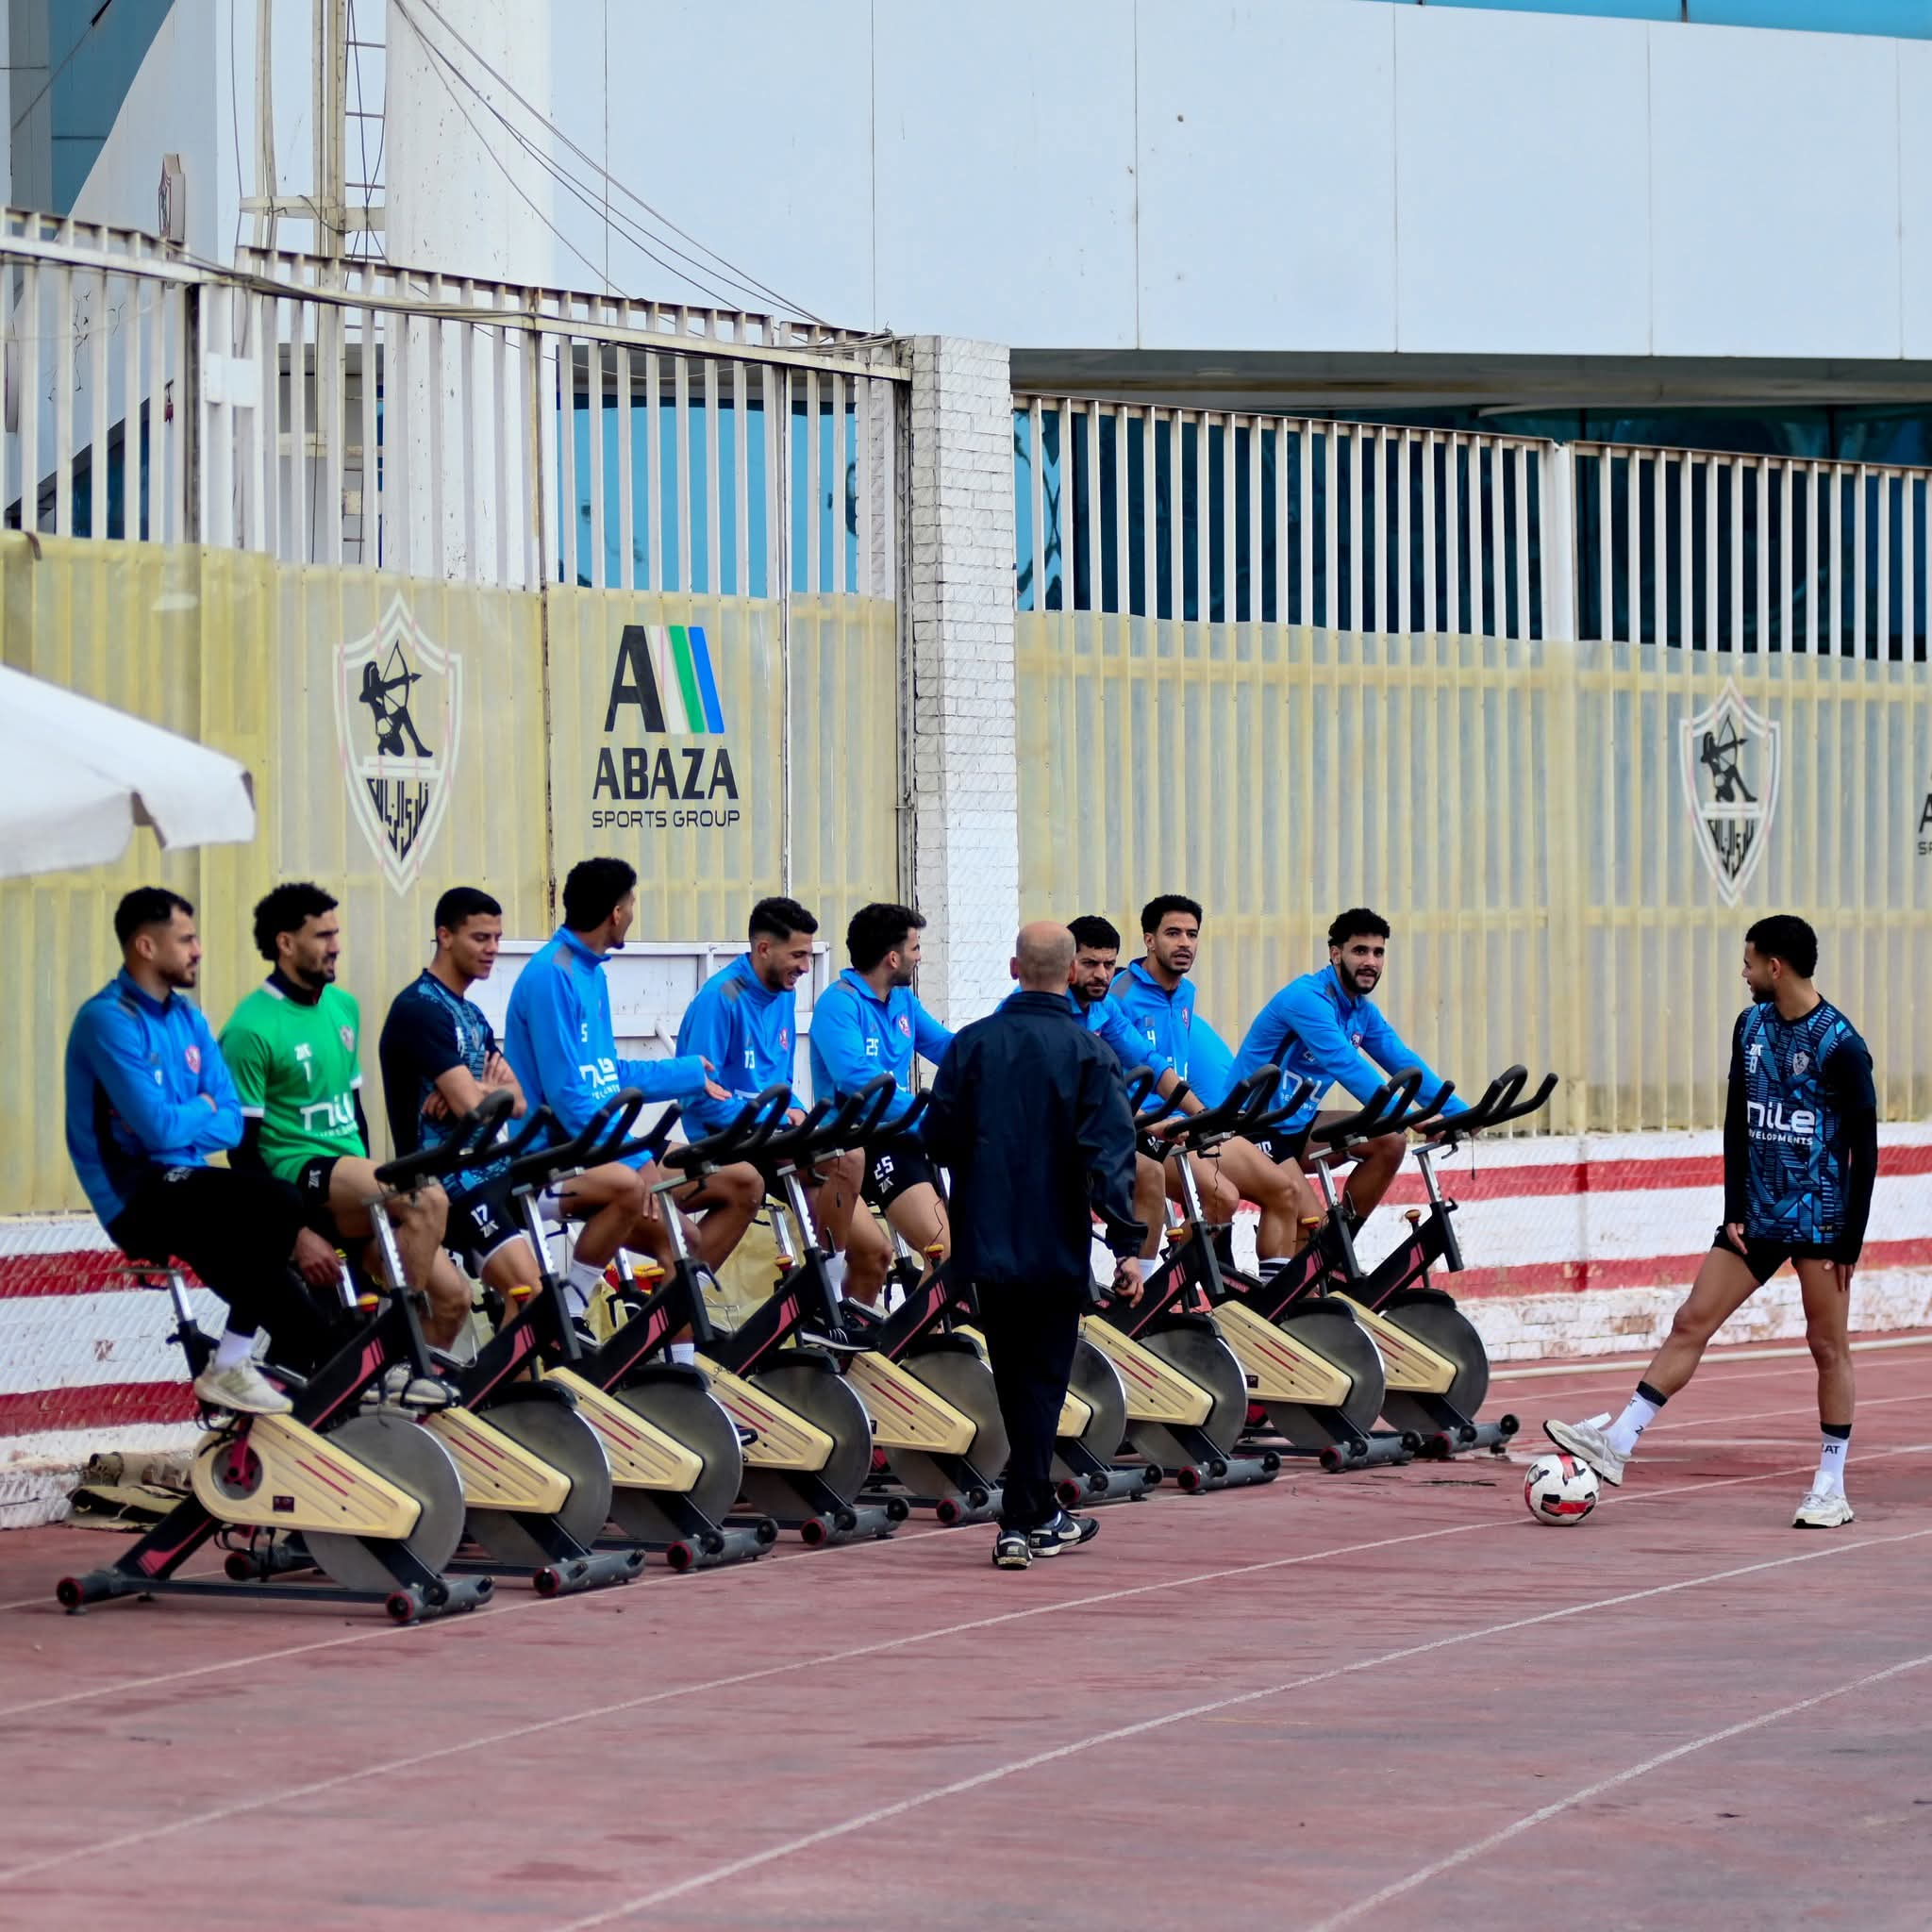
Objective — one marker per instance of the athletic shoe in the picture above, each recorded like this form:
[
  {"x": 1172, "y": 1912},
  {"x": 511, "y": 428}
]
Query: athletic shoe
[
  {"x": 745, "y": 1437},
  {"x": 1065, "y": 1532},
  {"x": 1012, "y": 1550},
  {"x": 1823, "y": 1509},
  {"x": 242, "y": 1390},
  {"x": 1589, "y": 1445},
  {"x": 401, "y": 1389}
]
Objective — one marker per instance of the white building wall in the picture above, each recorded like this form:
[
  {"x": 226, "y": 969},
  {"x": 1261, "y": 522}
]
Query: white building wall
[{"x": 1292, "y": 175}]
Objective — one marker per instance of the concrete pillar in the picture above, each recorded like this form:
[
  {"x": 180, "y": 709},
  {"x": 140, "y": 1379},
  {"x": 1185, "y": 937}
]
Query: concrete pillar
[{"x": 963, "y": 749}]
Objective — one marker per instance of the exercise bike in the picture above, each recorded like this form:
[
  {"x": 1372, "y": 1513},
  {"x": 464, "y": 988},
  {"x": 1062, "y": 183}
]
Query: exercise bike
[
  {"x": 929, "y": 1336},
  {"x": 676, "y": 1454},
  {"x": 793, "y": 1387},
  {"x": 1437, "y": 1368},
  {"x": 536, "y": 1478},
  {"x": 1310, "y": 1363},
  {"x": 1187, "y": 1390},
  {"x": 373, "y": 1494}
]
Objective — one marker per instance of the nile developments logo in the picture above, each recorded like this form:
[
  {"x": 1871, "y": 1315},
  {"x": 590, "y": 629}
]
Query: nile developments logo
[
  {"x": 398, "y": 700},
  {"x": 663, "y": 686},
  {"x": 1730, "y": 769}
]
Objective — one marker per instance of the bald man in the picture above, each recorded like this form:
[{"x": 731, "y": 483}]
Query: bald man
[{"x": 1030, "y": 1114}]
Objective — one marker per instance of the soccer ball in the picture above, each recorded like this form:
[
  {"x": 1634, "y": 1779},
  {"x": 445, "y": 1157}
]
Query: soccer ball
[{"x": 1559, "y": 1489}]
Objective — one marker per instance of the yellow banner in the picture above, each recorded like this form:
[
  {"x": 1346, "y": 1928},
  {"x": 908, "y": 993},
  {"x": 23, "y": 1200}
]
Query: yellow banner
[{"x": 397, "y": 729}]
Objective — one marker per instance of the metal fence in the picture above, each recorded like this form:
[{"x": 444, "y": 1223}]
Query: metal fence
[
  {"x": 346, "y": 412},
  {"x": 1571, "y": 715}
]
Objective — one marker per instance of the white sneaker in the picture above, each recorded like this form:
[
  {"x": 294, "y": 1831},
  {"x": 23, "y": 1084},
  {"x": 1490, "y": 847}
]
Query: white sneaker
[
  {"x": 1823, "y": 1509},
  {"x": 1588, "y": 1443},
  {"x": 402, "y": 1389},
  {"x": 242, "y": 1390}
]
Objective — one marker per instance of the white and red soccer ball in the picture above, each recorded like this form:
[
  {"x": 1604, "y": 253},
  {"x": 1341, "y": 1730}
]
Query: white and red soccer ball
[{"x": 1557, "y": 1488}]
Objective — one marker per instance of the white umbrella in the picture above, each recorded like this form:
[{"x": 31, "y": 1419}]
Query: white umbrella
[{"x": 78, "y": 777}]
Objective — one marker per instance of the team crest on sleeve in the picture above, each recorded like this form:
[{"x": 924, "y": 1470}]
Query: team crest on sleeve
[
  {"x": 1729, "y": 758},
  {"x": 398, "y": 700},
  {"x": 347, "y": 1036},
  {"x": 904, "y": 1026},
  {"x": 192, "y": 1055}
]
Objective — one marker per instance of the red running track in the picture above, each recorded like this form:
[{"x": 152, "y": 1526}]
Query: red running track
[{"x": 1388, "y": 1698}]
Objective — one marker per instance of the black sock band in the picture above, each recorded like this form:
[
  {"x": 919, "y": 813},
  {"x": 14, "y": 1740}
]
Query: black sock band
[
  {"x": 1650, "y": 1395},
  {"x": 1839, "y": 1432}
]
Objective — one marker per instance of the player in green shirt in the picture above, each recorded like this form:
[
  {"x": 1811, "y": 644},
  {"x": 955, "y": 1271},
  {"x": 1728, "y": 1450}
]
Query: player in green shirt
[{"x": 294, "y": 1049}]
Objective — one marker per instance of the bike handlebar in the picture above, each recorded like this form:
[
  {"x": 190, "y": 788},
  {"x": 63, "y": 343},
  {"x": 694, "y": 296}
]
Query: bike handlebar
[
  {"x": 603, "y": 1138},
  {"x": 739, "y": 1139},
  {"x": 464, "y": 1143},
  {"x": 829, "y": 1128},
  {"x": 1497, "y": 1108},
  {"x": 1249, "y": 1108}
]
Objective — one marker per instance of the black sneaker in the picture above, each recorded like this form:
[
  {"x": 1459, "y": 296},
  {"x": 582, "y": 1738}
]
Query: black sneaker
[
  {"x": 1012, "y": 1550},
  {"x": 1065, "y": 1532},
  {"x": 745, "y": 1437}
]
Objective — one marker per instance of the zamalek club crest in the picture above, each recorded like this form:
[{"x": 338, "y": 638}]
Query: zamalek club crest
[
  {"x": 398, "y": 700},
  {"x": 1730, "y": 769}
]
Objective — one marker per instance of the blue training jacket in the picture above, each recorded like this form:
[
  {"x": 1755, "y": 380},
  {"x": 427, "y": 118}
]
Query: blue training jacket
[
  {"x": 856, "y": 1037},
  {"x": 1164, "y": 1020},
  {"x": 560, "y": 1044},
  {"x": 1314, "y": 1030},
  {"x": 137, "y": 1069},
  {"x": 746, "y": 1031}
]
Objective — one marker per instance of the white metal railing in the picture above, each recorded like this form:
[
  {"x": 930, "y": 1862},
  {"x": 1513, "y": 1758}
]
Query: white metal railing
[
  {"x": 1744, "y": 552},
  {"x": 1214, "y": 516},
  {"x": 355, "y": 412},
  {"x": 1228, "y": 517}
]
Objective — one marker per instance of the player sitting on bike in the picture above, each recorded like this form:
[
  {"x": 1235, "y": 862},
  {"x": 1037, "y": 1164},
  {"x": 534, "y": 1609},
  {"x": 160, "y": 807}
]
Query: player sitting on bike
[
  {"x": 1325, "y": 1028},
  {"x": 1159, "y": 997},
  {"x": 744, "y": 1020},
  {"x": 870, "y": 1022},
  {"x": 148, "y": 1100},
  {"x": 562, "y": 1050}
]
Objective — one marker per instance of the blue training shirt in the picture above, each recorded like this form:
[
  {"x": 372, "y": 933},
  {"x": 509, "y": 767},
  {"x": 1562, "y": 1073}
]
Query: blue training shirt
[
  {"x": 137, "y": 1069},
  {"x": 1163, "y": 1020},
  {"x": 856, "y": 1036},
  {"x": 746, "y": 1031},
  {"x": 1802, "y": 1084},
  {"x": 1315, "y": 1029},
  {"x": 430, "y": 1029},
  {"x": 562, "y": 1048}
]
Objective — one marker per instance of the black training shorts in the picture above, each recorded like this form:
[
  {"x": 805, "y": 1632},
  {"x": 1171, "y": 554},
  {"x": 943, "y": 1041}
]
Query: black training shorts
[
  {"x": 311, "y": 1182},
  {"x": 481, "y": 1222},
  {"x": 894, "y": 1166},
  {"x": 1285, "y": 1143},
  {"x": 1765, "y": 1257}
]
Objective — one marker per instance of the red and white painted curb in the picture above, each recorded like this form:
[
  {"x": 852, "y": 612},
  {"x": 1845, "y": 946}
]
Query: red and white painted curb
[{"x": 1577, "y": 1247}]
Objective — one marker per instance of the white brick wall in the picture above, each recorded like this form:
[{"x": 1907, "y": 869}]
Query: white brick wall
[{"x": 966, "y": 842}]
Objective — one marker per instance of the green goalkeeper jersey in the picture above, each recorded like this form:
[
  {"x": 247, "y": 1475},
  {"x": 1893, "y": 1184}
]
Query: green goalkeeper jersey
[{"x": 297, "y": 1069}]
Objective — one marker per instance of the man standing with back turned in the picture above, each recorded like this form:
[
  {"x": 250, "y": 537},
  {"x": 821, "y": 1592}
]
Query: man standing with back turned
[{"x": 1028, "y": 1112}]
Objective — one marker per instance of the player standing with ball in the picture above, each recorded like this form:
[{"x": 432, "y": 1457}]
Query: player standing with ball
[{"x": 1801, "y": 1152}]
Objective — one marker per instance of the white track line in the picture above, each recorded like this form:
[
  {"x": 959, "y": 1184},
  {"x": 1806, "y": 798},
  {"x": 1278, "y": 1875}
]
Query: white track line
[
  {"x": 497, "y": 1608},
  {"x": 1478, "y": 1847},
  {"x": 1508, "y": 1373},
  {"x": 959, "y": 1787},
  {"x": 240, "y": 1806}
]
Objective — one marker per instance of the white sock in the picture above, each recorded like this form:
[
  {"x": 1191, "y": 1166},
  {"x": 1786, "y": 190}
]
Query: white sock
[
  {"x": 684, "y": 1350},
  {"x": 232, "y": 1350},
  {"x": 581, "y": 1280},
  {"x": 1642, "y": 1411},
  {"x": 1832, "y": 1451}
]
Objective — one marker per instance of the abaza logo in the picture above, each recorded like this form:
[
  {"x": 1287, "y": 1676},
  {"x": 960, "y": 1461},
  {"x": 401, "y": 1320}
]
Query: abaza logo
[
  {"x": 398, "y": 701},
  {"x": 662, "y": 685}
]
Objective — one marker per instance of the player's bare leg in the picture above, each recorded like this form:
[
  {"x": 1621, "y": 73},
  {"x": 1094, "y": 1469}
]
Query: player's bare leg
[
  {"x": 1825, "y": 1287},
  {"x": 1724, "y": 1283}
]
